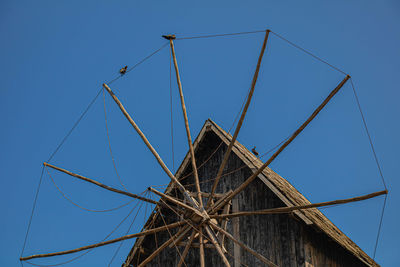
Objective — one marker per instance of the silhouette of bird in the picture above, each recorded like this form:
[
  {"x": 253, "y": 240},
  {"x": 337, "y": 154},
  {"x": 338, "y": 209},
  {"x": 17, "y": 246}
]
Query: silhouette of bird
[
  {"x": 254, "y": 151},
  {"x": 169, "y": 37},
  {"x": 123, "y": 70}
]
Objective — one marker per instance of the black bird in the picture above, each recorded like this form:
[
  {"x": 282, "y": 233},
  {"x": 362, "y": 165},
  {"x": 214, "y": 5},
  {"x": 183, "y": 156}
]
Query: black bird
[
  {"x": 254, "y": 151},
  {"x": 123, "y": 70},
  {"x": 169, "y": 37}
]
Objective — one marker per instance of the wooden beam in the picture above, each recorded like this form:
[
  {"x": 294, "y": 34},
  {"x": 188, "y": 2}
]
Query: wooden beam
[
  {"x": 186, "y": 250},
  {"x": 251, "y": 251},
  {"x": 205, "y": 194},
  {"x": 182, "y": 233},
  {"x": 220, "y": 203},
  {"x": 240, "y": 122},
  {"x": 99, "y": 184},
  {"x": 185, "y": 117},
  {"x": 171, "y": 242},
  {"x": 158, "y": 250},
  {"x": 293, "y": 136},
  {"x": 224, "y": 224},
  {"x": 236, "y": 233},
  {"x": 201, "y": 248},
  {"x": 146, "y": 232},
  {"x": 150, "y": 147},
  {"x": 177, "y": 202},
  {"x": 197, "y": 245},
  {"x": 216, "y": 245},
  {"x": 290, "y": 209}
]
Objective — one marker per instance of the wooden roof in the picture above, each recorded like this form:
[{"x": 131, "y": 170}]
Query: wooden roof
[{"x": 280, "y": 186}]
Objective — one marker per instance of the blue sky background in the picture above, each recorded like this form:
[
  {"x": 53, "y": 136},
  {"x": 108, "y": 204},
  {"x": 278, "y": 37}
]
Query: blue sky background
[{"x": 56, "y": 54}]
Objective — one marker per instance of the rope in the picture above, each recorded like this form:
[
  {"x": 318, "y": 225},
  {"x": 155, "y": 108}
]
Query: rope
[
  {"x": 74, "y": 126},
  {"x": 145, "y": 209},
  {"x": 33, "y": 210},
  {"x": 172, "y": 120},
  {"x": 276, "y": 34},
  {"x": 368, "y": 134},
  {"x": 218, "y": 35},
  {"x": 122, "y": 242},
  {"x": 139, "y": 63},
  {"x": 380, "y": 226},
  {"x": 79, "y": 206},
  {"x": 309, "y": 53},
  {"x": 377, "y": 164},
  {"x": 169, "y": 232},
  {"x": 152, "y": 225},
  {"x": 77, "y": 257},
  {"x": 109, "y": 143}
]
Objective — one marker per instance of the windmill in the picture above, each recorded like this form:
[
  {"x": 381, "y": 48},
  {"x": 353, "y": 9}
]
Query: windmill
[{"x": 201, "y": 213}]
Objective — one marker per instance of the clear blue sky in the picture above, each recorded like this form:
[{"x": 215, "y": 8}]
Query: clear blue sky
[{"x": 56, "y": 54}]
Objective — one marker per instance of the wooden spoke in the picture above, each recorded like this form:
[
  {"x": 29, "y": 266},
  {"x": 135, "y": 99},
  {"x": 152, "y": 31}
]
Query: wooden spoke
[
  {"x": 176, "y": 201},
  {"x": 146, "y": 232},
  {"x": 100, "y": 184},
  {"x": 197, "y": 245},
  {"x": 220, "y": 203},
  {"x": 290, "y": 209},
  {"x": 186, "y": 250},
  {"x": 185, "y": 117},
  {"x": 174, "y": 241},
  {"x": 214, "y": 241},
  {"x": 163, "y": 246},
  {"x": 184, "y": 229},
  {"x": 294, "y": 135},
  {"x": 251, "y": 251},
  {"x": 224, "y": 223},
  {"x": 206, "y": 195},
  {"x": 240, "y": 122},
  {"x": 151, "y": 148},
  {"x": 201, "y": 243},
  {"x": 183, "y": 233}
]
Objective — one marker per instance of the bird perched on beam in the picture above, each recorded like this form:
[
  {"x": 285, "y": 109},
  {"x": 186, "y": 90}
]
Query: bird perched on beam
[
  {"x": 254, "y": 151},
  {"x": 123, "y": 70},
  {"x": 169, "y": 37}
]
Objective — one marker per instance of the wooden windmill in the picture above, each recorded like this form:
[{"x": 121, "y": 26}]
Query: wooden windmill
[{"x": 225, "y": 207}]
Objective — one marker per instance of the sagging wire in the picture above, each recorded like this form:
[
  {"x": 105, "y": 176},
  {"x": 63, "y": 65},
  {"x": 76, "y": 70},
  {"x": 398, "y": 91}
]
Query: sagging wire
[
  {"x": 89, "y": 250},
  {"x": 80, "y": 206}
]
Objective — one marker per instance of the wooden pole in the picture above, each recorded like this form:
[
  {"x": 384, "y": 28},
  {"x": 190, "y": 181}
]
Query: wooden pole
[
  {"x": 294, "y": 135},
  {"x": 177, "y": 202},
  {"x": 157, "y": 251},
  {"x": 290, "y": 209},
  {"x": 201, "y": 243},
  {"x": 220, "y": 203},
  {"x": 99, "y": 184},
  {"x": 147, "y": 232},
  {"x": 186, "y": 250},
  {"x": 174, "y": 239},
  {"x": 251, "y": 251},
  {"x": 214, "y": 241},
  {"x": 224, "y": 223},
  {"x": 153, "y": 151},
  {"x": 185, "y": 117},
  {"x": 240, "y": 122},
  {"x": 182, "y": 234},
  {"x": 236, "y": 233}
]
